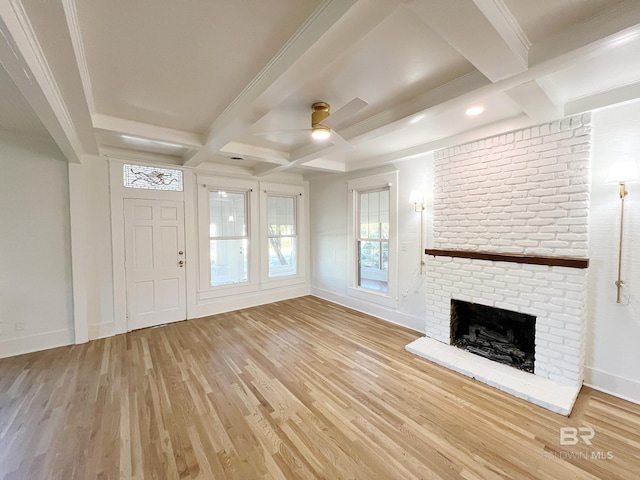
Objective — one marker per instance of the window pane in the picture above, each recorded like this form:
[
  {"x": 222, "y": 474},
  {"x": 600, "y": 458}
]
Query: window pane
[
  {"x": 373, "y": 272},
  {"x": 374, "y": 215},
  {"x": 281, "y": 215},
  {"x": 227, "y": 214},
  {"x": 384, "y": 214},
  {"x": 281, "y": 224},
  {"x": 282, "y": 256},
  {"x": 151, "y": 178},
  {"x": 364, "y": 215},
  {"x": 229, "y": 261}
]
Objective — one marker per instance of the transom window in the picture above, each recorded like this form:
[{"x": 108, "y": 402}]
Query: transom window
[
  {"x": 228, "y": 237},
  {"x": 152, "y": 178}
]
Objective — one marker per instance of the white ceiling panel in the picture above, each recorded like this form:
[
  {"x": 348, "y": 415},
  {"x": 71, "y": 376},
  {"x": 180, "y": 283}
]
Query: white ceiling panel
[
  {"x": 541, "y": 18},
  {"x": 180, "y": 64}
]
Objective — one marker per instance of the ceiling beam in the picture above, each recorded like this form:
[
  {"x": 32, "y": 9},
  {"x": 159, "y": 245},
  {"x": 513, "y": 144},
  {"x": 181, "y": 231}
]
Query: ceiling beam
[
  {"x": 139, "y": 156},
  {"x": 468, "y": 88},
  {"x": 239, "y": 115},
  {"x": 622, "y": 94},
  {"x": 614, "y": 26},
  {"x": 253, "y": 152},
  {"x": 533, "y": 101},
  {"x": 122, "y": 126},
  {"x": 483, "y": 31},
  {"x": 326, "y": 165},
  {"x": 308, "y": 153},
  {"x": 24, "y": 60},
  {"x": 73, "y": 25},
  {"x": 459, "y": 139},
  {"x": 395, "y": 117},
  {"x": 357, "y": 18}
]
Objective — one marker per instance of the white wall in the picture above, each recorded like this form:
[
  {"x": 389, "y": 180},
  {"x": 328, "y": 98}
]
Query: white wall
[
  {"x": 613, "y": 333},
  {"x": 91, "y": 248},
  {"x": 35, "y": 256},
  {"x": 329, "y": 233}
]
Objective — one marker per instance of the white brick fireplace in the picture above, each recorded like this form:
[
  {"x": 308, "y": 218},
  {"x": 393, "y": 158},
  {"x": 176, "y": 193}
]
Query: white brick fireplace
[{"x": 524, "y": 193}]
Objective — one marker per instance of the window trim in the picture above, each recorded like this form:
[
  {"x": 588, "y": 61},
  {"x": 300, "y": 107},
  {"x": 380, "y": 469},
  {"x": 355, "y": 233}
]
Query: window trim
[{"x": 361, "y": 185}]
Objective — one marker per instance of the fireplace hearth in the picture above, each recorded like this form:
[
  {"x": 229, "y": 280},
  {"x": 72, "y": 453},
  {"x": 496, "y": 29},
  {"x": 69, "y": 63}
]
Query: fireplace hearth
[{"x": 500, "y": 335}]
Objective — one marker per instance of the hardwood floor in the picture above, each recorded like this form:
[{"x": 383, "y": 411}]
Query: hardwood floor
[{"x": 295, "y": 389}]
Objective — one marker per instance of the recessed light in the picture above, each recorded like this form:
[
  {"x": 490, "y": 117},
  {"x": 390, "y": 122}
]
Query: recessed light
[{"x": 473, "y": 111}]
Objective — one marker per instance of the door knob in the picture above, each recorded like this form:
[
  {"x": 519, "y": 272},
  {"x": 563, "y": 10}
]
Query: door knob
[
  {"x": 181, "y": 263},
  {"x": 180, "y": 252}
]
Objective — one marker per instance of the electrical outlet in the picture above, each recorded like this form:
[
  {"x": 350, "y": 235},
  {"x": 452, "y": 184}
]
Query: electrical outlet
[
  {"x": 19, "y": 326},
  {"x": 404, "y": 246}
]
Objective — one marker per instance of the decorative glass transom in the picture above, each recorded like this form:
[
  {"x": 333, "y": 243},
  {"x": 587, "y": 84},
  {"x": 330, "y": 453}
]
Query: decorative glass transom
[{"x": 152, "y": 178}]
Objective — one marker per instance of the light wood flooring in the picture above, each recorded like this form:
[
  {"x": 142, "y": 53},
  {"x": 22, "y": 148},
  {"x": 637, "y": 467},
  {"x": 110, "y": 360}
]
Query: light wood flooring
[{"x": 295, "y": 389}]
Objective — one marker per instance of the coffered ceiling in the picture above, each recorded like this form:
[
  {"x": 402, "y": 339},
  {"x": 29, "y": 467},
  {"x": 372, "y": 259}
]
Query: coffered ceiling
[{"x": 229, "y": 85}]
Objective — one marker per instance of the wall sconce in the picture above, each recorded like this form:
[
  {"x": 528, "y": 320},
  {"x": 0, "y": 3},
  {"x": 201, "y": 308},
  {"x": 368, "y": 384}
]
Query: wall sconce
[
  {"x": 418, "y": 206},
  {"x": 622, "y": 173}
]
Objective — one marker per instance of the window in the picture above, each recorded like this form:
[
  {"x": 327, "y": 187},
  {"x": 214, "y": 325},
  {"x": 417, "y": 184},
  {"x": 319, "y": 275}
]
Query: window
[
  {"x": 228, "y": 237},
  {"x": 251, "y": 237},
  {"x": 373, "y": 240},
  {"x": 152, "y": 178},
  {"x": 282, "y": 235}
]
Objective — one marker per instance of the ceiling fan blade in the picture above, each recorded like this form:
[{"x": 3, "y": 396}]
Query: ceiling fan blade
[
  {"x": 338, "y": 140},
  {"x": 296, "y": 130},
  {"x": 349, "y": 109}
]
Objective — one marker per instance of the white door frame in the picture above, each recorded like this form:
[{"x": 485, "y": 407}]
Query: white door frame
[{"x": 118, "y": 194}]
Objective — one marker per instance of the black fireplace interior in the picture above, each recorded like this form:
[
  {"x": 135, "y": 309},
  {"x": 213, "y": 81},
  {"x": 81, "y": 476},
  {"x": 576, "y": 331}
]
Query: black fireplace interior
[{"x": 500, "y": 335}]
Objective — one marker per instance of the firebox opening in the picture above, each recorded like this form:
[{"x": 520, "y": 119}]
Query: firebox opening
[{"x": 500, "y": 335}]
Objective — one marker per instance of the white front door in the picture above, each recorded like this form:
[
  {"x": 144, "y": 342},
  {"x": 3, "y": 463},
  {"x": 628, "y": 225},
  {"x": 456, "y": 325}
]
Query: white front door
[{"x": 154, "y": 262}]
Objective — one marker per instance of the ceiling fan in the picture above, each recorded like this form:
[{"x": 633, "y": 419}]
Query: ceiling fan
[{"x": 323, "y": 122}]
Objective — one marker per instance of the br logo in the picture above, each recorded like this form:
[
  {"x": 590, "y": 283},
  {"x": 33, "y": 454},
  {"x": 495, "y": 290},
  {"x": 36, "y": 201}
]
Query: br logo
[{"x": 573, "y": 435}]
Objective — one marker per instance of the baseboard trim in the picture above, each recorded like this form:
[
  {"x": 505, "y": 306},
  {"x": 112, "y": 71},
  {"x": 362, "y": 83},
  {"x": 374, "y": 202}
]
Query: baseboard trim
[
  {"x": 102, "y": 330},
  {"x": 621, "y": 387},
  {"x": 230, "y": 303},
  {"x": 34, "y": 343},
  {"x": 389, "y": 315}
]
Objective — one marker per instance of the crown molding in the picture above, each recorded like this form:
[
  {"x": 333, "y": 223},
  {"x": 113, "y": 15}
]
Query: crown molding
[{"x": 71, "y": 15}]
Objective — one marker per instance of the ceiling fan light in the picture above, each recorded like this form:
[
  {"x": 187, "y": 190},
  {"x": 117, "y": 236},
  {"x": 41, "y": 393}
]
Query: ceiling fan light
[{"x": 320, "y": 132}]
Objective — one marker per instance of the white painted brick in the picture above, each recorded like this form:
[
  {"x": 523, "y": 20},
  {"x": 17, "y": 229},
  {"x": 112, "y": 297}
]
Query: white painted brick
[
  {"x": 558, "y": 136},
  {"x": 547, "y": 307},
  {"x": 549, "y": 338},
  {"x": 498, "y": 194},
  {"x": 553, "y": 214}
]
